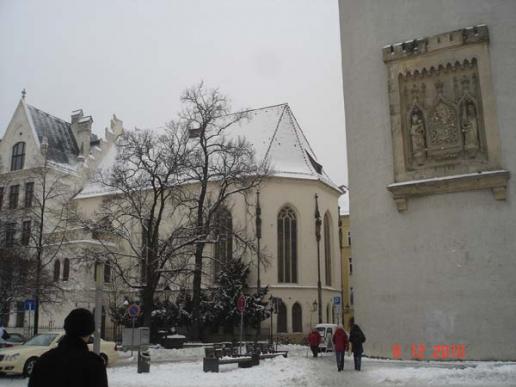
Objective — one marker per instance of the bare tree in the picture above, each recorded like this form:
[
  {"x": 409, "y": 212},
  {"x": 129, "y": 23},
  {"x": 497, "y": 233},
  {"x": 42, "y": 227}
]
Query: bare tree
[
  {"x": 133, "y": 225},
  {"x": 14, "y": 273},
  {"x": 35, "y": 228},
  {"x": 164, "y": 193},
  {"x": 221, "y": 166}
]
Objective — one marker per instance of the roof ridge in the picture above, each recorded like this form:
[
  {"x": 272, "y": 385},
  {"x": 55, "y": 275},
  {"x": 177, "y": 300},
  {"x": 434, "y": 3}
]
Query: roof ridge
[
  {"x": 302, "y": 133},
  {"x": 48, "y": 114},
  {"x": 253, "y": 110},
  {"x": 275, "y": 132},
  {"x": 301, "y": 147}
]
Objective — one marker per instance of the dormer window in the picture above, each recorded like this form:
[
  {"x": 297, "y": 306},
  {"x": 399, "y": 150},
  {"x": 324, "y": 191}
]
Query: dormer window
[
  {"x": 315, "y": 164},
  {"x": 18, "y": 156}
]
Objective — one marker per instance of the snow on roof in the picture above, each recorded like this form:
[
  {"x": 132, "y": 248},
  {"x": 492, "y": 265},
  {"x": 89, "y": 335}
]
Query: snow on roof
[
  {"x": 344, "y": 204},
  {"x": 274, "y": 134},
  {"x": 62, "y": 147}
]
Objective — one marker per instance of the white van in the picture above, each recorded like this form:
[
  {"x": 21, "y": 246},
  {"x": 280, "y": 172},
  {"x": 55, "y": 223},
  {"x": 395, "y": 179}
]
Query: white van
[{"x": 326, "y": 331}]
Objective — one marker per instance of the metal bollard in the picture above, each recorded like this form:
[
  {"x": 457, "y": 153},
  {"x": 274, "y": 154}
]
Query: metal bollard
[{"x": 144, "y": 360}]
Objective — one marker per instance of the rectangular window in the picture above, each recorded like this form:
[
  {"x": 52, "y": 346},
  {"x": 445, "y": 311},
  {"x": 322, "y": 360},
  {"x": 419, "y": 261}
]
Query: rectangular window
[
  {"x": 107, "y": 273},
  {"x": 29, "y": 193},
  {"x": 14, "y": 191},
  {"x": 26, "y": 229},
  {"x": 1, "y": 197},
  {"x": 350, "y": 266},
  {"x": 10, "y": 232},
  {"x": 20, "y": 314},
  {"x": 349, "y": 238}
]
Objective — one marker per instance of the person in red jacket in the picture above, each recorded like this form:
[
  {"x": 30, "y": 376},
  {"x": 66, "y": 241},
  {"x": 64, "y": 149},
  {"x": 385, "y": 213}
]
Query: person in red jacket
[
  {"x": 314, "y": 339},
  {"x": 340, "y": 345}
]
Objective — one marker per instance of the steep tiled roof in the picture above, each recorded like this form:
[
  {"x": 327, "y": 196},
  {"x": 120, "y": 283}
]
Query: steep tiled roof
[
  {"x": 62, "y": 147},
  {"x": 275, "y": 136}
]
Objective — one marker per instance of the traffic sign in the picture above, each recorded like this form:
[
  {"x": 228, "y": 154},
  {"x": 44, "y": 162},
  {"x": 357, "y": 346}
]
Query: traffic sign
[
  {"x": 336, "y": 300},
  {"x": 30, "y": 304},
  {"x": 241, "y": 303},
  {"x": 133, "y": 310}
]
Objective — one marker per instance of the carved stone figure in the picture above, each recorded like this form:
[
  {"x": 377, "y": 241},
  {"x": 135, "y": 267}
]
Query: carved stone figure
[
  {"x": 469, "y": 128},
  {"x": 417, "y": 135}
]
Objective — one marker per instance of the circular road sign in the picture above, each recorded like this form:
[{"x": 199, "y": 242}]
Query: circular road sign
[
  {"x": 133, "y": 310},
  {"x": 241, "y": 303}
]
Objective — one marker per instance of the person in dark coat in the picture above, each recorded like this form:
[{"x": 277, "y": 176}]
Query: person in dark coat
[
  {"x": 314, "y": 339},
  {"x": 340, "y": 345},
  {"x": 71, "y": 364},
  {"x": 357, "y": 339}
]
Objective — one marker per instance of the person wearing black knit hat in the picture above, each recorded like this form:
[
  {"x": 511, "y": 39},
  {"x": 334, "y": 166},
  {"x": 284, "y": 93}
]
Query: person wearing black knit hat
[{"x": 71, "y": 364}]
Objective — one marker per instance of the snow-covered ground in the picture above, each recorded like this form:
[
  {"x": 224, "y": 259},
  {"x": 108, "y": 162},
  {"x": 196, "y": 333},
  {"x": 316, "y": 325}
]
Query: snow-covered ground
[{"x": 184, "y": 368}]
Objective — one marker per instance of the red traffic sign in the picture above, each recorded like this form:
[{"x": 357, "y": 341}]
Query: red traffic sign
[
  {"x": 241, "y": 303},
  {"x": 133, "y": 310}
]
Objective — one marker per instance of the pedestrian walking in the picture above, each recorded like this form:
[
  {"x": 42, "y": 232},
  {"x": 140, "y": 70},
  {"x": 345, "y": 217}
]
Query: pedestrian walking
[
  {"x": 357, "y": 339},
  {"x": 314, "y": 339},
  {"x": 340, "y": 345},
  {"x": 71, "y": 364}
]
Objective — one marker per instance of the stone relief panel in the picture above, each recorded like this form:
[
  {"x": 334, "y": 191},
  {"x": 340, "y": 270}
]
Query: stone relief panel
[
  {"x": 442, "y": 121},
  {"x": 443, "y": 115}
]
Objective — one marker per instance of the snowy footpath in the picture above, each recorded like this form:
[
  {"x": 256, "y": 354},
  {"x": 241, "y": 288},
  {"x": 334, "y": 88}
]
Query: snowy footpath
[{"x": 184, "y": 368}]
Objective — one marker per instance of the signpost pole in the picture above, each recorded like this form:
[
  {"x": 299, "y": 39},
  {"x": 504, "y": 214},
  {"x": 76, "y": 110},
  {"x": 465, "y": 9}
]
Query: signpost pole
[
  {"x": 241, "y": 309},
  {"x": 132, "y": 336},
  {"x": 134, "y": 311},
  {"x": 241, "y": 330}
]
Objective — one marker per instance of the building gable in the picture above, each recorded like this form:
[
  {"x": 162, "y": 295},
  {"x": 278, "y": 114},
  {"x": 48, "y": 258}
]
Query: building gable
[{"x": 19, "y": 129}]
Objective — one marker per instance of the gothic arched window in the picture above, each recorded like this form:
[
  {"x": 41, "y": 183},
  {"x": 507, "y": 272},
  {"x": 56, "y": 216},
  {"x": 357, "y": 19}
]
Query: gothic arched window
[
  {"x": 297, "y": 318},
  {"x": 282, "y": 318},
  {"x": 224, "y": 234},
  {"x": 57, "y": 270},
  {"x": 66, "y": 269},
  {"x": 18, "y": 156},
  {"x": 327, "y": 248},
  {"x": 287, "y": 246}
]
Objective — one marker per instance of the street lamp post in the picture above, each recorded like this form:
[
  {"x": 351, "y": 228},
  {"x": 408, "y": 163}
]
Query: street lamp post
[
  {"x": 318, "y": 239},
  {"x": 258, "y": 237},
  {"x": 99, "y": 283}
]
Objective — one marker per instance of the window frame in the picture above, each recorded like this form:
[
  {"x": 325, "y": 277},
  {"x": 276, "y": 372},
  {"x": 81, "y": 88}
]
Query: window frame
[
  {"x": 297, "y": 318},
  {"x": 66, "y": 269},
  {"x": 14, "y": 196},
  {"x": 287, "y": 245},
  {"x": 18, "y": 156},
  {"x": 26, "y": 232},
  {"x": 223, "y": 248},
  {"x": 282, "y": 323},
  {"x": 57, "y": 271},
  {"x": 10, "y": 234},
  {"x": 29, "y": 194}
]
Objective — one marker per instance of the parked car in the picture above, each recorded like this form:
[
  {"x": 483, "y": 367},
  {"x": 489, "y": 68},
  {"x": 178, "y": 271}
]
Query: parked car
[
  {"x": 326, "y": 331},
  {"x": 21, "y": 359},
  {"x": 13, "y": 340}
]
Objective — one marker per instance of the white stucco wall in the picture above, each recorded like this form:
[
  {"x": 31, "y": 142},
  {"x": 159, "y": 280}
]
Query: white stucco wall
[
  {"x": 443, "y": 271},
  {"x": 275, "y": 193}
]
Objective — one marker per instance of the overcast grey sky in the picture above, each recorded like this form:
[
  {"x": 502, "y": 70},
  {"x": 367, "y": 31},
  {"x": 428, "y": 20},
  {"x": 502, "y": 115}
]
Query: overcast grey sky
[{"x": 134, "y": 57}]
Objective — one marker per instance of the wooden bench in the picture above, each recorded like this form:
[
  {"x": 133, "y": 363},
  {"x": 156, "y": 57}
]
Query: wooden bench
[
  {"x": 265, "y": 351},
  {"x": 214, "y": 357}
]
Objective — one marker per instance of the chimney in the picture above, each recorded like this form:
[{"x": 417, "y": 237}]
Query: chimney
[{"x": 81, "y": 128}]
